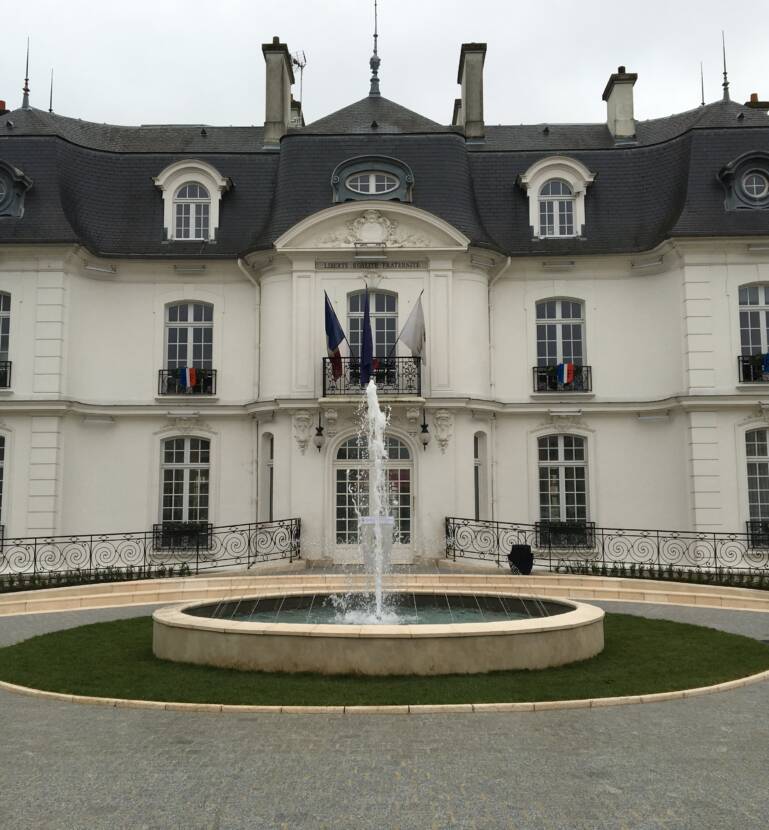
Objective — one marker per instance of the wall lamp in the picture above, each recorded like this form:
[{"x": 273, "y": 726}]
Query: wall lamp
[
  {"x": 424, "y": 435},
  {"x": 319, "y": 439}
]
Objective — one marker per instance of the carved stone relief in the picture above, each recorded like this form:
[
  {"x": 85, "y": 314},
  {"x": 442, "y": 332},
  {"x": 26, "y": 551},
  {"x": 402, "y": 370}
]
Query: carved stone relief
[
  {"x": 372, "y": 228},
  {"x": 303, "y": 421},
  {"x": 444, "y": 424}
]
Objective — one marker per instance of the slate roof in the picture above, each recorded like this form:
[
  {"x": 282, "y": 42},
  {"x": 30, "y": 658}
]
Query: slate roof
[{"x": 93, "y": 183}]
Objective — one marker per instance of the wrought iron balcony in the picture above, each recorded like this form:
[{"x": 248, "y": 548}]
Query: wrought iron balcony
[
  {"x": 5, "y": 374},
  {"x": 750, "y": 369},
  {"x": 178, "y": 382},
  {"x": 758, "y": 533},
  {"x": 183, "y": 536},
  {"x": 392, "y": 375},
  {"x": 552, "y": 534},
  {"x": 548, "y": 379}
]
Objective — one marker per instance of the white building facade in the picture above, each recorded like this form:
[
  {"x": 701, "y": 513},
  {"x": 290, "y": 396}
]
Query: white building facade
[{"x": 602, "y": 362}]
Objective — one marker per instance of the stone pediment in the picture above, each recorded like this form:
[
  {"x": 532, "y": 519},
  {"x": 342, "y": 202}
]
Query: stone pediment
[{"x": 372, "y": 225}]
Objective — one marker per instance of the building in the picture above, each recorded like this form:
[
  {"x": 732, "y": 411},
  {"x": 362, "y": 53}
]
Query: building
[{"x": 596, "y": 300}]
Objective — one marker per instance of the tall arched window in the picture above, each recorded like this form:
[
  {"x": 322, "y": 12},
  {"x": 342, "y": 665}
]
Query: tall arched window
[
  {"x": 757, "y": 457},
  {"x": 189, "y": 350},
  {"x": 351, "y": 475},
  {"x": 383, "y": 311},
  {"x": 267, "y": 493},
  {"x": 562, "y": 490},
  {"x": 561, "y": 347},
  {"x": 2, "y": 475},
  {"x": 754, "y": 333},
  {"x": 5, "y": 339},
  {"x": 184, "y": 476},
  {"x": 556, "y": 209},
  {"x": 480, "y": 496},
  {"x": 192, "y": 207}
]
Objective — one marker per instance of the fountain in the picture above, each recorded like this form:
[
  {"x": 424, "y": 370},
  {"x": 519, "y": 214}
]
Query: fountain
[{"x": 390, "y": 628}]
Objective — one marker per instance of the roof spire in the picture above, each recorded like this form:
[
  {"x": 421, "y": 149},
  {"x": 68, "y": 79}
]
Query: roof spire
[
  {"x": 725, "y": 84},
  {"x": 702, "y": 86},
  {"x": 25, "y": 90},
  {"x": 375, "y": 60},
  {"x": 50, "y": 99}
]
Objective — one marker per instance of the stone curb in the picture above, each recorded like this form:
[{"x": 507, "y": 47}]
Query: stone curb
[{"x": 403, "y": 709}]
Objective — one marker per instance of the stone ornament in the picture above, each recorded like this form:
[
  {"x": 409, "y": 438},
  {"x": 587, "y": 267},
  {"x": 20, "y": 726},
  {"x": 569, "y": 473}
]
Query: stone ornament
[
  {"x": 303, "y": 422},
  {"x": 373, "y": 228},
  {"x": 444, "y": 424}
]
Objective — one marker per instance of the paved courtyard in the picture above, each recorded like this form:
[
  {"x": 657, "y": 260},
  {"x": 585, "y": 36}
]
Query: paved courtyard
[{"x": 699, "y": 763}]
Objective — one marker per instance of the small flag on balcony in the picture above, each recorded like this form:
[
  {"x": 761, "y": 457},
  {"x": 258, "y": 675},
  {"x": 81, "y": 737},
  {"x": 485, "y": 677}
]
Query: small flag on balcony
[
  {"x": 413, "y": 334},
  {"x": 335, "y": 340},
  {"x": 366, "y": 345},
  {"x": 188, "y": 377},
  {"x": 565, "y": 373}
]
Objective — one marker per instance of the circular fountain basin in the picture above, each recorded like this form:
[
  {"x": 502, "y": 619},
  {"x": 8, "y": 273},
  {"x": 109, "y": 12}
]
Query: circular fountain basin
[{"x": 526, "y": 633}]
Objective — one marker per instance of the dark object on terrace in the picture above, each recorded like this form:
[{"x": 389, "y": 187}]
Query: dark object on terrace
[{"x": 521, "y": 559}]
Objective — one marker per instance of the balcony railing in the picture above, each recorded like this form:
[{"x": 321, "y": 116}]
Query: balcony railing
[
  {"x": 5, "y": 374},
  {"x": 187, "y": 382},
  {"x": 750, "y": 369},
  {"x": 552, "y": 534},
  {"x": 556, "y": 378},
  {"x": 392, "y": 375},
  {"x": 183, "y": 536}
]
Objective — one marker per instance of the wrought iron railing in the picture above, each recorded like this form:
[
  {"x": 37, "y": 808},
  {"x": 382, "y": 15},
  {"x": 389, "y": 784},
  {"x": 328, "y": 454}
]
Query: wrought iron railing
[
  {"x": 5, "y": 374},
  {"x": 581, "y": 544},
  {"x": 393, "y": 376},
  {"x": 199, "y": 548},
  {"x": 187, "y": 382},
  {"x": 554, "y": 379},
  {"x": 750, "y": 369}
]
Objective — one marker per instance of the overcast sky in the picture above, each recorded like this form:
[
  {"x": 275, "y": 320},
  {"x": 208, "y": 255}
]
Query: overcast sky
[{"x": 188, "y": 61}]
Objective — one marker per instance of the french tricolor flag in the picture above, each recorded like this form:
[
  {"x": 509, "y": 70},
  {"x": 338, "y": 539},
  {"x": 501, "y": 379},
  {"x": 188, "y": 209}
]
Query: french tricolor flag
[
  {"x": 565, "y": 373},
  {"x": 188, "y": 378},
  {"x": 336, "y": 342}
]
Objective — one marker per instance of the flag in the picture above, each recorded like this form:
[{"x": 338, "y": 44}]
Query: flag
[
  {"x": 335, "y": 340},
  {"x": 366, "y": 345},
  {"x": 413, "y": 334},
  {"x": 565, "y": 373}
]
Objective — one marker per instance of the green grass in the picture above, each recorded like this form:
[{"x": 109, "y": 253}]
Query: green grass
[{"x": 642, "y": 656}]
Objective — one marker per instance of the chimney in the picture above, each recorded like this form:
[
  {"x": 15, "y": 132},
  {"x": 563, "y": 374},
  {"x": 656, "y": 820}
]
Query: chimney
[
  {"x": 279, "y": 78},
  {"x": 619, "y": 103},
  {"x": 3, "y": 108},
  {"x": 754, "y": 103},
  {"x": 468, "y": 113}
]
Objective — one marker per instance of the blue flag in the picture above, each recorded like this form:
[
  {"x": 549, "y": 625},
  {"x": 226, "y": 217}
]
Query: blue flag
[
  {"x": 366, "y": 346},
  {"x": 335, "y": 339}
]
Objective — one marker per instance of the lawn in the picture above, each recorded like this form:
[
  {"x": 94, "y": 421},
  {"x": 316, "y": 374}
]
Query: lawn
[{"x": 642, "y": 656}]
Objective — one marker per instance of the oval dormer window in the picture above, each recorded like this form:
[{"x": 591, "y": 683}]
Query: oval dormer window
[
  {"x": 755, "y": 184},
  {"x": 374, "y": 182},
  {"x": 3, "y": 189}
]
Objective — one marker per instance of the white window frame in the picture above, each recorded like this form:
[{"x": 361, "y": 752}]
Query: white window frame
[
  {"x": 385, "y": 347},
  {"x": 190, "y": 324},
  {"x": 3, "y": 454},
  {"x": 186, "y": 466},
  {"x": 561, "y": 464},
  {"x": 574, "y": 173},
  {"x": 189, "y": 171},
  {"x": 761, "y": 308},
  {"x": 372, "y": 176},
  {"x": 559, "y": 321},
  {"x": 199, "y": 213}
]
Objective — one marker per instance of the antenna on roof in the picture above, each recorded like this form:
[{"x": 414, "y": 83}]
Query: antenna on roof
[
  {"x": 725, "y": 84},
  {"x": 299, "y": 60},
  {"x": 702, "y": 86},
  {"x": 375, "y": 59},
  {"x": 50, "y": 97},
  {"x": 25, "y": 90}
]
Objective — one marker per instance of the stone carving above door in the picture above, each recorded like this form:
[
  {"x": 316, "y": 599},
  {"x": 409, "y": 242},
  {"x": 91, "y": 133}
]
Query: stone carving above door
[{"x": 373, "y": 228}]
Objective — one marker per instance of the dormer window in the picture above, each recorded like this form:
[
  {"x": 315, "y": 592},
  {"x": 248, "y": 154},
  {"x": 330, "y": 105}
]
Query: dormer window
[
  {"x": 755, "y": 185},
  {"x": 373, "y": 182},
  {"x": 556, "y": 209},
  {"x": 192, "y": 211},
  {"x": 556, "y": 187},
  {"x": 192, "y": 192},
  {"x": 746, "y": 182},
  {"x": 13, "y": 187},
  {"x": 372, "y": 177}
]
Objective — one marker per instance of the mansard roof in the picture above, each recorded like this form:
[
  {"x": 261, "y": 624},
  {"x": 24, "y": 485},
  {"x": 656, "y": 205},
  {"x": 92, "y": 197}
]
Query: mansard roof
[{"x": 93, "y": 183}]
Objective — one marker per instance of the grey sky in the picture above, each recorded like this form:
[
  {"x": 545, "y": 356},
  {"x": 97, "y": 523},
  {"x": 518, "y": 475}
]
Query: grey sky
[{"x": 187, "y": 61}]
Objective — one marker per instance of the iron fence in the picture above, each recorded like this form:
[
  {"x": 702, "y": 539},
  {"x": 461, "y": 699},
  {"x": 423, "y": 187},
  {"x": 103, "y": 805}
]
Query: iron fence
[
  {"x": 393, "y": 375},
  {"x": 753, "y": 368},
  {"x": 548, "y": 379},
  {"x": 5, "y": 374},
  {"x": 606, "y": 547},
  {"x": 204, "y": 549},
  {"x": 187, "y": 382}
]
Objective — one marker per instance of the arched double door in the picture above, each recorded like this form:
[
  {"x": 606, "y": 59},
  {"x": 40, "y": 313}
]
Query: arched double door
[{"x": 351, "y": 492}]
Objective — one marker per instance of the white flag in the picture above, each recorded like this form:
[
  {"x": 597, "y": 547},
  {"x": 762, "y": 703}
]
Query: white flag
[{"x": 413, "y": 334}]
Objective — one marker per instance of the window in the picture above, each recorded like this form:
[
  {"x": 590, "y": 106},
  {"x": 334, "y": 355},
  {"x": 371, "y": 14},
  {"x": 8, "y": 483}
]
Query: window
[
  {"x": 2, "y": 477},
  {"x": 268, "y": 447},
  {"x": 757, "y": 456},
  {"x": 562, "y": 479},
  {"x": 373, "y": 182},
  {"x": 192, "y": 205},
  {"x": 185, "y": 477},
  {"x": 556, "y": 209},
  {"x": 5, "y": 333},
  {"x": 479, "y": 476},
  {"x": 13, "y": 187},
  {"x": 383, "y": 311},
  {"x": 189, "y": 350},
  {"x": 560, "y": 332},
  {"x": 351, "y": 489},
  {"x": 372, "y": 177},
  {"x": 754, "y": 319},
  {"x": 755, "y": 184},
  {"x": 4, "y": 189},
  {"x": 745, "y": 180}
]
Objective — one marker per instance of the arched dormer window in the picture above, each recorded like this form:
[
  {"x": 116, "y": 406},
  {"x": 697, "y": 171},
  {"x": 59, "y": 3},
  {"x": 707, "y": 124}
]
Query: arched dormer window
[
  {"x": 556, "y": 187},
  {"x": 372, "y": 177},
  {"x": 13, "y": 186},
  {"x": 746, "y": 182},
  {"x": 192, "y": 192},
  {"x": 192, "y": 209}
]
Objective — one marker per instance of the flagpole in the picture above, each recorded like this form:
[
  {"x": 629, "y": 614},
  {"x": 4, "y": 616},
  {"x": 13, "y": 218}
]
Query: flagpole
[{"x": 399, "y": 336}]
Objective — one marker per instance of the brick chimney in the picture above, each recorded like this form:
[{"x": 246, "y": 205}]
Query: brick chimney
[
  {"x": 468, "y": 110},
  {"x": 619, "y": 103},
  {"x": 755, "y": 104},
  {"x": 279, "y": 78},
  {"x": 3, "y": 108}
]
